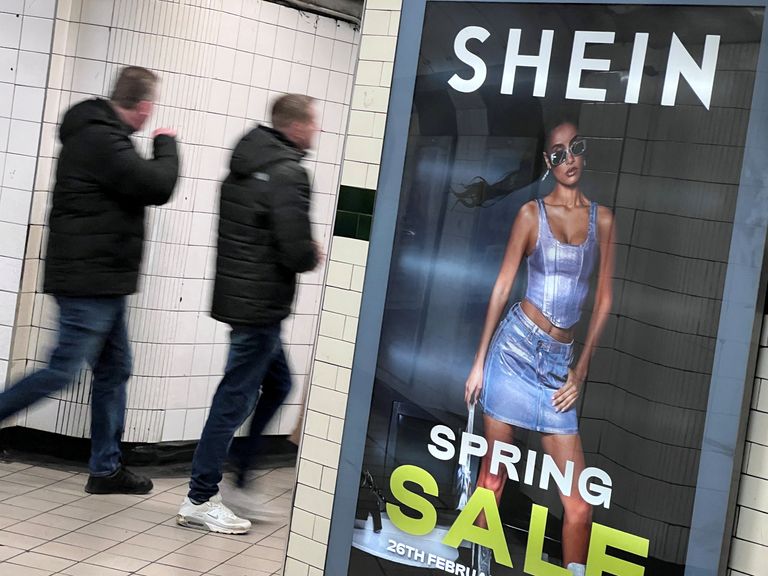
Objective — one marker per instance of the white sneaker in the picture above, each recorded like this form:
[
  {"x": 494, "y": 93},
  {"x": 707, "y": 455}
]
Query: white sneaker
[
  {"x": 212, "y": 515},
  {"x": 577, "y": 569},
  {"x": 249, "y": 504}
]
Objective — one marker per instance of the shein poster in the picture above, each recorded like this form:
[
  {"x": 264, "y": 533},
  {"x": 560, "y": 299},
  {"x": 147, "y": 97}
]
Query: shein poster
[{"x": 557, "y": 274}]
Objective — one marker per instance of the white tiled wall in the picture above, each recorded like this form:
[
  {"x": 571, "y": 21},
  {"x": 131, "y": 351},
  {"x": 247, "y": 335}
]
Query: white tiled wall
[
  {"x": 221, "y": 64},
  {"x": 324, "y": 422},
  {"x": 749, "y": 547},
  {"x": 26, "y": 28}
]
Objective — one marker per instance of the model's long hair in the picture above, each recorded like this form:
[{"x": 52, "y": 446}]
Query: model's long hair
[{"x": 480, "y": 193}]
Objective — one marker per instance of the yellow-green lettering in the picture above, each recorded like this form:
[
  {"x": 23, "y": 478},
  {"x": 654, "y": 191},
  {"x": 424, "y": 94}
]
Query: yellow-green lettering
[
  {"x": 533, "y": 551},
  {"x": 416, "y": 526},
  {"x": 599, "y": 561},
  {"x": 482, "y": 501}
]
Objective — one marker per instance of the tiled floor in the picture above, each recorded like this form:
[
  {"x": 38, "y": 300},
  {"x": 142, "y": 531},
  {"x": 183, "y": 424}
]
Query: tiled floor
[{"x": 48, "y": 525}]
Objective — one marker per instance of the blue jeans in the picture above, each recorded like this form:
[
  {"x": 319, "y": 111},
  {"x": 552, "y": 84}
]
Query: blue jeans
[
  {"x": 91, "y": 330},
  {"x": 256, "y": 379}
]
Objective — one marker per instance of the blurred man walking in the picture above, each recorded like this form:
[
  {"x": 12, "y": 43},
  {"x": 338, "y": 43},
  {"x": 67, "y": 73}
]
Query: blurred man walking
[
  {"x": 93, "y": 257},
  {"x": 264, "y": 241}
]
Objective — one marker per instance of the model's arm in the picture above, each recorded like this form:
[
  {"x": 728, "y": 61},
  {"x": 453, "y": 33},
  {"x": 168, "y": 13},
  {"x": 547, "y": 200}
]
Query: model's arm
[
  {"x": 565, "y": 397},
  {"x": 519, "y": 240}
]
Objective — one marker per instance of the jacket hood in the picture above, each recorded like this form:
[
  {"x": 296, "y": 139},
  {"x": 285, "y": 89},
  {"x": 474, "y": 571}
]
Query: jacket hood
[
  {"x": 260, "y": 148},
  {"x": 84, "y": 114}
]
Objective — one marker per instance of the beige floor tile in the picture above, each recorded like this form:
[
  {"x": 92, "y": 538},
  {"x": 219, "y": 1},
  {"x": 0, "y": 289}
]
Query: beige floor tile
[
  {"x": 89, "y": 514},
  {"x": 229, "y": 570},
  {"x": 156, "y": 509},
  {"x": 8, "y": 552},
  {"x": 42, "y": 561},
  {"x": 5, "y": 522},
  {"x": 30, "y": 528},
  {"x": 28, "y": 479},
  {"x": 122, "y": 521},
  {"x": 196, "y": 550},
  {"x": 176, "y": 533},
  {"x": 87, "y": 541},
  {"x": 11, "y": 467},
  {"x": 10, "y": 489},
  {"x": 164, "y": 545},
  {"x": 215, "y": 541},
  {"x": 117, "y": 562},
  {"x": 32, "y": 503},
  {"x": 91, "y": 570},
  {"x": 170, "y": 497},
  {"x": 252, "y": 563},
  {"x": 8, "y": 511},
  {"x": 67, "y": 551},
  {"x": 17, "y": 570},
  {"x": 124, "y": 500},
  {"x": 58, "y": 521},
  {"x": 70, "y": 486},
  {"x": 19, "y": 540},
  {"x": 138, "y": 552},
  {"x": 188, "y": 562},
  {"x": 162, "y": 570},
  {"x": 50, "y": 473},
  {"x": 122, "y": 535},
  {"x": 265, "y": 553},
  {"x": 49, "y": 495},
  {"x": 145, "y": 514},
  {"x": 278, "y": 542},
  {"x": 102, "y": 530}
]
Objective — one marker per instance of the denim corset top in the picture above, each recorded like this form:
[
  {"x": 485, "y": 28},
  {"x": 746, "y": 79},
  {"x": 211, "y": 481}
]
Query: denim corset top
[{"x": 558, "y": 273}]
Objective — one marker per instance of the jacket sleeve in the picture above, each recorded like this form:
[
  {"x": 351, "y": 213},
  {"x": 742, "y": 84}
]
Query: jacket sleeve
[
  {"x": 136, "y": 179},
  {"x": 290, "y": 219}
]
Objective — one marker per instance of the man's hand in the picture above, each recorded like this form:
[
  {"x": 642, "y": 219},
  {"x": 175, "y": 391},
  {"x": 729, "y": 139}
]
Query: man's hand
[
  {"x": 319, "y": 253},
  {"x": 164, "y": 132}
]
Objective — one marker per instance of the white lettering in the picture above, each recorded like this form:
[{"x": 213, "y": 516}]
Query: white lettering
[
  {"x": 549, "y": 469},
  {"x": 579, "y": 63},
  {"x": 635, "y": 77},
  {"x": 472, "y": 445},
  {"x": 539, "y": 61},
  {"x": 470, "y": 59},
  {"x": 595, "y": 494},
  {"x": 507, "y": 454},
  {"x": 681, "y": 63},
  {"x": 441, "y": 447},
  {"x": 594, "y": 484}
]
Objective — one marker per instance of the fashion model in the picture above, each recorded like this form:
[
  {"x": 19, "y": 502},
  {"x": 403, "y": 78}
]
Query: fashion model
[{"x": 524, "y": 374}]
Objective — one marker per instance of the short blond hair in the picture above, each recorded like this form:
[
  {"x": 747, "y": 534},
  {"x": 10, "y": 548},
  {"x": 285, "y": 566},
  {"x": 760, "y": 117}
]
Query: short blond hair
[
  {"x": 291, "y": 108},
  {"x": 133, "y": 85}
]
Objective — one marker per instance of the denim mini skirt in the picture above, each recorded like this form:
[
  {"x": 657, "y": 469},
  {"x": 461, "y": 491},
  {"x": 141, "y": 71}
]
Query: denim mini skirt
[{"x": 525, "y": 366}]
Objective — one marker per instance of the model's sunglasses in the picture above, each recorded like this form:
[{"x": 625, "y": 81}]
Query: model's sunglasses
[{"x": 577, "y": 148}]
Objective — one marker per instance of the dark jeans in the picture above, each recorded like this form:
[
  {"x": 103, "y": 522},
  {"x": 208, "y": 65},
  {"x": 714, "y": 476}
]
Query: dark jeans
[
  {"x": 91, "y": 330},
  {"x": 256, "y": 380}
]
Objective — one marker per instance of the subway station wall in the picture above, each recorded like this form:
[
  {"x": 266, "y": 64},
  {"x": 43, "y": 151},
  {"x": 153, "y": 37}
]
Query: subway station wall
[
  {"x": 221, "y": 64},
  {"x": 320, "y": 454}
]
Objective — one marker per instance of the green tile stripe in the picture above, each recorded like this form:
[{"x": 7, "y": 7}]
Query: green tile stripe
[{"x": 354, "y": 213}]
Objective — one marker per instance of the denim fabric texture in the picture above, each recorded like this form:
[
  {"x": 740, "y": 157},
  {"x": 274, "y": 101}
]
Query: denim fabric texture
[
  {"x": 91, "y": 330},
  {"x": 256, "y": 379},
  {"x": 525, "y": 366}
]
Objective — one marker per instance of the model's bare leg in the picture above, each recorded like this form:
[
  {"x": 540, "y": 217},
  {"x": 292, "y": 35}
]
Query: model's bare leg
[
  {"x": 495, "y": 431},
  {"x": 577, "y": 520}
]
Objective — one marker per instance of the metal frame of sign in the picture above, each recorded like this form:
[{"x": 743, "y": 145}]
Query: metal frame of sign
[{"x": 738, "y": 330}]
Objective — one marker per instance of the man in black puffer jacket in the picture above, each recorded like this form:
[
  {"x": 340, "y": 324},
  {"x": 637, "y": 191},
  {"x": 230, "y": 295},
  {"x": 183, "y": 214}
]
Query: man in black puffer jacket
[
  {"x": 93, "y": 257},
  {"x": 265, "y": 239}
]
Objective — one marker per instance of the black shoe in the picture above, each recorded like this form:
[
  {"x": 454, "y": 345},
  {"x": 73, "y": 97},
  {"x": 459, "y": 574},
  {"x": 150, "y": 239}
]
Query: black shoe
[{"x": 121, "y": 482}]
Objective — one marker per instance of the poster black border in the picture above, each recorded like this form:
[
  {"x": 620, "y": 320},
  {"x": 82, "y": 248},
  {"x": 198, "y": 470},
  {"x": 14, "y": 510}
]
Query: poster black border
[{"x": 738, "y": 330}]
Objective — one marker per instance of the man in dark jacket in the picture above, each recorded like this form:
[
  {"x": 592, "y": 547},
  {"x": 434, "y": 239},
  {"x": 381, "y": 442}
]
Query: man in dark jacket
[
  {"x": 92, "y": 261},
  {"x": 264, "y": 241}
]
